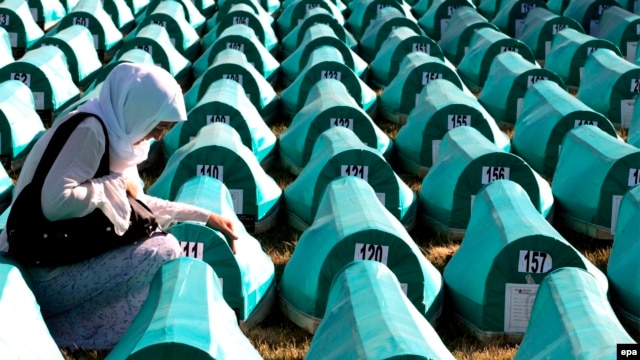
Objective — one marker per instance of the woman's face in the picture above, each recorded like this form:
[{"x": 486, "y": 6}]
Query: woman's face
[{"x": 158, "y": 132}]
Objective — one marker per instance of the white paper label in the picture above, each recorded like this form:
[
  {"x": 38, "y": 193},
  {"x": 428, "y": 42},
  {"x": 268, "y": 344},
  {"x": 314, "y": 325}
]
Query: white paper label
[
  {"x": 344, "y": 122},
  {"x": 147, "y": 48},
  {"x": 526, "y": 7},
  {"x": 451, "y": 10},
  {"x": 536, "y": 262},
  {"x": 584, "y": 122},
  {"x": 626, "y": 112},
  {"x": 236, "y": 46},
  {"x": 417, "y": 98},
  {"x": 519, "y": 26},
  {"x": 404, "y": 287},
  {"x": 454, "y": 121},
  {"x": 374, "y": 252},
  {"x": 34, "y": 13},
  {"x": 237, "y": 198},
  {"x": 508, "y": 49},
  {"x": 23, "y": 77},
  {"x": 636, "y": 10},
  {"x": 518, "y": 302},
  {"x": 419, "y": 47},
  {"x": 581, "y": 72},
  {"x": 473, "y": 200},
  {"x": 556, "y": 28},
  {"x": 534, "y": 79},
  {"x": 81, "y": 21},
  {"x": 615, "y": 208},
  {"x": 215, "y": 171},
  {"x": 362, "y": 171},
  {"x": 547, "y": 48},
  {"x": 96, "y": 44},
  {"x": 5, "y": 20},
  {"x": 519, "y": 104},
  {"x": 443, "y": 25},
  {"x": 491, "y": 173},
  {"x": 221, "y": 282},
  {"x": 329, "y": 74},
  {"x": 38, "y": 99},
  {"x": 594, "y": 26},
  {"x": 218, "y": 118},
  {"x": 192, "y": 249},
  {"x": 632, "y": 46},
  {"x": 13, "y": 39},
  {"x": 382, "y": 198},
  {"x": 240, "y": 20},
  {"x": 435, "y": 149},
  {"x": 235, "y": 77},
  {"x": 428, "y": 76},
  {"x": 602, "y": 8},
  {"x": 312, "y": 6},
  {"x": 160, "y": 23},
  {"x": 634, "y": 177}
]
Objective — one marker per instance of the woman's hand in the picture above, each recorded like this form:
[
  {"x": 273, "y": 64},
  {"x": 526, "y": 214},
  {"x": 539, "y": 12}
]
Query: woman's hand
[{"x": 225, "y": 225}]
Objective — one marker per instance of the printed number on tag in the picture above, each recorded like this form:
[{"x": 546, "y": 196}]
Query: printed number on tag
[
  {"x": 215, "y": 171},
  {"x": 536, "y": 262},
  {"x": 492, "y": 173},
  {"x": 344, "y": 122},
  {"x": 218, "y": 118},
  {"x": 374, "y": 252},
  {"x": 634, "y": 177},
  {"x": 361, "y": 171},
  {"x": 24, "y": 78},
  {"x": 453, "y": 121},
  {"x": 192, "y": 249},
  {"x": 235, "y": 46}
]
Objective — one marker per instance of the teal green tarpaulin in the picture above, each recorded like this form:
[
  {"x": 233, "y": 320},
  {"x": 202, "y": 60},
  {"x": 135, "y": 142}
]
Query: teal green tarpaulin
[
  {"x": 6, "y": 55},
  {"x": 466, "y": 162},
  {"x": 294, "y": 11},
  {"x": 120, "y": 14},
  {"x": 352, "y": 224},
  {"x": 184, "y": 316},
  {"x": 459, "y": 32},
  {"x": 539, "y": 28},
  {"x": 328, "y": 105},
  {"x": 548, "y": 113},
  {"x": 435, "y": 20},
  {"x": 339, "y": 152},
  {"x": 364, "y": 12},
  {"x": 375, "y": 34},
  {"x": 512, "y": 14},
  {"x": 633, "y": 136},
  {"x": 137, "y": 56},
  {"x": 46, "y": 13},
  {"x": 192, "y": 14},
  {"x": 588, "y": 13},
  {"x": 224, "y": 6},
  {"x": 621, "y": 28},
  {"x": 594, "y": 171},
  {"x": 6, "y": 193},
  {"x": 506, "y": 253},
  {"x": 369, "y": 316},
  {"x": 18, "y": 22},
  {"x": 571, "y": 316},
  {"x": 137, "y": 6}
]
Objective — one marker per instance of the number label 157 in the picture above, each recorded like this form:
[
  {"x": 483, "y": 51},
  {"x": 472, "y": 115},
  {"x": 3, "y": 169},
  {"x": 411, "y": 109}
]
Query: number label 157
[{"x": 536, "y": 262}]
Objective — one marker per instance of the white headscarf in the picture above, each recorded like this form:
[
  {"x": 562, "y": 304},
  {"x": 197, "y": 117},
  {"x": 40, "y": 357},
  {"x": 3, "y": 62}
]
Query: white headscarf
[{"x": 133, "y": 100}]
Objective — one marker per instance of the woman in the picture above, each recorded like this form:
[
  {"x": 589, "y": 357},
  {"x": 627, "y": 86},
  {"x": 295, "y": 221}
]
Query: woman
[{"x": 91, "y": 303}]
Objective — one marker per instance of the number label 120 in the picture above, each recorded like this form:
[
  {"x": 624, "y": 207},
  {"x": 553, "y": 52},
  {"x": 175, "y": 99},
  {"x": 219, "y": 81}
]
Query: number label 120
[{"x": 379, "y": 253}]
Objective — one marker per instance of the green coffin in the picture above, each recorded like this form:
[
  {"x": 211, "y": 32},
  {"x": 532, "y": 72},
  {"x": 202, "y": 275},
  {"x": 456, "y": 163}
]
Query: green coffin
[
  {"x": 369, "y": 316},
  {"x": 6, "y": 55},
  {"x": 540, "y": 27},
  {"x": 571, "y": 316},
  {"x": 24, "y": 333},
  {"x": 509, "y": 78},
  {"x": 621, "y": 28},
  {"x": 47, "y": 13},
  {"x": 622, "y": 266},
  {"x": 378, "y": 31},
  {"x": 328, "y": 105},
  {"x": 225, "y": 6},
  {"x": 192, "y": 14},
  {"x": 416, "y": 70},
  {"x": 442, "y": 107},
  {"x": 184, "y": 316},
  {"x": 633, "y": 136},
  {"x": 610, "y": 85},
  {"x": 588, "y": 13},
  {"x": 364, "y": 12},
  {"x": 594, "y": 171},
  {"x": 485, "y": 45},
  {"x": 225, "y": 101},
  {"x": 512, "y": 14},
  {"x": 459, "y": 32},
  {"x": 548, "y": 113},
  {"x": 466, "y": 162},
  {"x": 316, "y": 36},
  {"x": 137, "y": 56},
  {"x": 508, "y": 250},
  {"x": 401, "y": 42},
  {"x": 435, "y": 20},
  {"x": 233, "y": 65},
  {"x": 243, "y": 39},
  {"x": 217, "y": 151},
  {"x": 339, "y": 152},
  {"x": 18, "y": 22},
  {"x": 120, "y": 14},
  {"x": 270, "y": 7},
  {"x": 137, "y": 6},
  {"x": 246, "y": 277},
  {"x": 294, "y": 11},
  {"x": 352, "y": 224}
]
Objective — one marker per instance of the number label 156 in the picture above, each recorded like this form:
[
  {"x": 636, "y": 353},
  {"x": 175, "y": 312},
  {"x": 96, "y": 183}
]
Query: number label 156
[{"x": 492, "y": 173}]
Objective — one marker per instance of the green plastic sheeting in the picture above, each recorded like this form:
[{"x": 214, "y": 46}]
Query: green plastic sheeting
[
  {"x": 435, "y": 20},
  {"x": 20, "y": 125},
  {"x": 316, "y": 36},
  {"x": 246, "y": 277},
  {"x": 205, "y": 7},
  {"x": 76, "y": 42},
  {"x": 594, "y": 171},
  {"x": 137, "y": 56},
  {"x": 456, "y": 38},
  {"x": 506, "y": 253},
  {"x": 588, "y": 13},
  {"x": 225, "y": 101},
  {"x": 512, "y": 14},
  {"x": 24, "y": 334},
  {"x": 610, "y": 85},
  {"x": 120, "y": 14},
  {"x": 442, "y": 106},
  {"x": 233, "y": 65},
  {"x": 107, "y": 38},
  {"x": 6, "y": 191},
  {"x": 137, "y": 6},
  {"x": 571, "y": 317},
  {"x": 171, "y": 16},
  {"x": 6, "y": 55},
  {"x": 569, "y": 52},
  {"x": 622, "y": 266},
  {"x": 466, "y": 162},
  {"x": 192, "y": 14},
  {"x": 401, "y": 42},
  {"x": 18, "y": 22},
  {"x": 352, "y": 224},
  {"x": 416, "y": 70},
  {"x": 378, "y": 31},
  {"x": 46, "y": 13},
  {"x": 633, "y": 136},
  {"x": 225, "y": 6},
  {"x": 328, "y": 105},
  {"x": 620, "y": 27},
  {"x": 217, "y": 151},
  {"x": 317, "y": 15},
  {"x": 326, "y": 63},
  {"x": 339, "y": 152},
  {"x": 184, "y": 316},
  {"x": 364, "y": 12},
  {"x": 548, "y": 113},
  {"x": 294, "y": 11},
  {"x": 369, "y": 317},
  {"x": 539, "y": 29},
  {"x": 509, "y": 78},
  {"x": 243, "y": 39}
]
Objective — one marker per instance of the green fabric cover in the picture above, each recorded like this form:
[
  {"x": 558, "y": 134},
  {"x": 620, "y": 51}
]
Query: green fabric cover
[
  {"x": 548, "y": 113},
  {"x": 232, "y": 64},
  {"x": 224, "y": 101},
  {"x": 363, "y": 12},
  {"x": 328, "y": 105},
  {"x": 508, "y": 250},
  {"x": 435, "y": 20},
  {"x": 466, "y": 162},
  {"x": 509, "y": 78},
  {"x": 24, "y": 334},
  {"x": 569, "y": 52},
  {"x": 610, "y": 86},
  {"x": 588, "y": 13},
  {"x": 6, "y": 55},
  {"x": 442, "y": 106},
  {"x": 243, "y": 39},
  {"x": 621, "y": 28},
  {"x": 512, "y": 14},
  {"x": 368, "y": 316},
  {"x": 378, "y": 31},
  {"x": 205, "y": 7},
  {"x": 249, "y": 273},
  {"x": 401, "y": 42},
  {"x": 295, "y": 11},
  {"x": 339, "y": 152},
  {"x": 485, "y": 45},
  {"x": 120, "y": 13},
  {"x": 489, "y": 8},
  {"x": 622, "y": 266},
  {"x": 90, "y": 13},
  {"x": 224, "y": 7},
  {"x": 456, "y": 38},
  {"x": 268, "y": 6},
  {"x": 606, "y": 167},
  {"x": 633, "y": 136},
  {"x": 352, "y": 224},
  {"x": 316, "y": 36},
  {"x": 184, "y": 316},
  {"x": 416, "y": 70},
  {"x": 18, "y": 22},
  {"x": 218, "y": 146},
  {"x": 539, "y": 28},
  {"x": 46, "y": 13},
  {"x": 192, "y": 14},
  {"x": 137, "y": 6},
  {"x": 138, "y": 56},
  {"x": 571, "y": 317}
]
